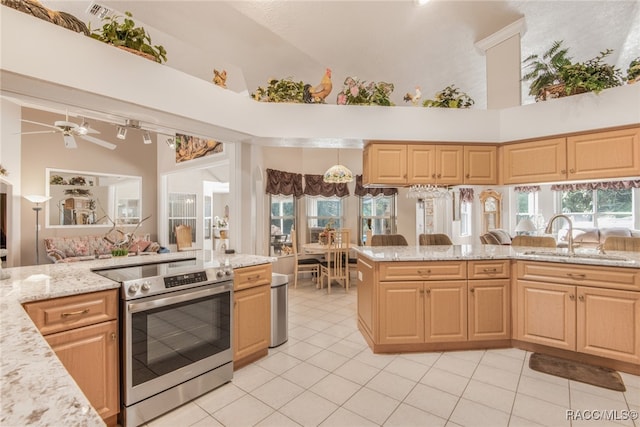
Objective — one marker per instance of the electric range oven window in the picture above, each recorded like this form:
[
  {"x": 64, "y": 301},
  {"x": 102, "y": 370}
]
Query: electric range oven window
[{"x": 170, "y": 337}]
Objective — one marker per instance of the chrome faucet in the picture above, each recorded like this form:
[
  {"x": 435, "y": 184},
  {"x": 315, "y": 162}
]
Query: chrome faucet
[{"x": 548, "y": 230}]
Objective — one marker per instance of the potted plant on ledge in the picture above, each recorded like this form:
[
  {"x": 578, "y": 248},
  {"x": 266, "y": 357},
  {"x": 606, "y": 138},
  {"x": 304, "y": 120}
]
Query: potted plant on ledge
[{"x": 125, "y": 35}]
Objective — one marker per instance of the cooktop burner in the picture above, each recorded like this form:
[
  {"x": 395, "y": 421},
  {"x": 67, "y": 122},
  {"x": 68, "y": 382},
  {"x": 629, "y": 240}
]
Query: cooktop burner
[{"x": 151, "y": 279}]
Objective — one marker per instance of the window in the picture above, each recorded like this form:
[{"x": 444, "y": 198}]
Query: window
[
  {"x": 598, "y": 208},
  {"x": 321, "y": 211},
  {"x": 379, "y": 213},
  {"x": 465, "y": 218},
  {"x": 526, "y": 205},
  {"x": 207, "y": 218},
  {"x": 182, "y": 210},
  {"x": 283, "y": 216}
]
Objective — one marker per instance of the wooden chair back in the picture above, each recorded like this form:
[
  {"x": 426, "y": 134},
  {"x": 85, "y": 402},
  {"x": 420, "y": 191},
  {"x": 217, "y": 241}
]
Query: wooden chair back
[
  {"x": 183, "y": 237},
  {"x": 388, "y": 240},
  {"x": 619, "y": 243},
  {"x": 336, "y": 264},
  {"x": 537, "y": 241},
  {"x": 434, "y": 239}
]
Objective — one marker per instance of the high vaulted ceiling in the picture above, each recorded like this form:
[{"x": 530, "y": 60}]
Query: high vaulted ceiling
[{"x": 396, "y": 41}]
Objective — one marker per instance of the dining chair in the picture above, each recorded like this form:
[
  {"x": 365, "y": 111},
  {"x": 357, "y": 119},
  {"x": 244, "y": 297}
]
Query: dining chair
[
  {"x": 434, "y": 239},
  {"x": 619, "y": 243},
  {"x": 336, "y": 263},
  {"x": 183, "y": 238},
  {"x": 303, "y": 265},
  {"x": 537, "y": 241},
  {"x": 388, "y": 240},
  {"x": 489, "y": 239}
]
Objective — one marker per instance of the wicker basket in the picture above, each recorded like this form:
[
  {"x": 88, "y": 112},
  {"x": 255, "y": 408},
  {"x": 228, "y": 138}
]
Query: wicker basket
[
  {"x": 137, "y": 52},
  {"x": 556, "y": 91}
]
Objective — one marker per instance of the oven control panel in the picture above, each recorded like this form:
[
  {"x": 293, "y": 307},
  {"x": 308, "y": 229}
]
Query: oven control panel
[{"x": 185, "y": 279}]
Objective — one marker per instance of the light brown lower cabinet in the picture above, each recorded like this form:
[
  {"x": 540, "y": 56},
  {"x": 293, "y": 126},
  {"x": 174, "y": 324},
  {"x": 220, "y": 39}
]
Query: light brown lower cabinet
[
  {"x": 593, "y": 320},
  {"x": 83, "y": 332},
  {"x": 251, "y": 314},
  {"x": 444, "y": 307}
]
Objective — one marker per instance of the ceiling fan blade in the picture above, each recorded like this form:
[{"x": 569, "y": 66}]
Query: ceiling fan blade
[
  {"x": 41, "y": 124},
  {"x": 100, "y": 142},
  {"x": 69, "y": 141},
  {"x": 36, "y": 132}
]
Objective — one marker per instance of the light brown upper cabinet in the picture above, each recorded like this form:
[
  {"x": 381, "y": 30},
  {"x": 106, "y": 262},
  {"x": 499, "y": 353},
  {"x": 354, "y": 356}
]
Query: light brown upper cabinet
[
  {"x": 604, "y": 154},
  {"x": 536, "y": 161},
  {"x": 398, "y": 164},
  {"x": 608, "y": 154},
  {"x": 480, "y": 164}
]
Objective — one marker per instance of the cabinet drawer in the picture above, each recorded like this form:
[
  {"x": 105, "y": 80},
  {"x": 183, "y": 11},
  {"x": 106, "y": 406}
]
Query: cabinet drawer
[
  {"x": 579, "y": 274},
  {"x": 62, "y": 314},
  {"x": 423, "y": 270},
  {"x": 248, "y": 277},
  {"x": 495, "y": 269}
]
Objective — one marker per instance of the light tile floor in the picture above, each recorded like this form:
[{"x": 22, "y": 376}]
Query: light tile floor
[{"x": 326, "y": 375}]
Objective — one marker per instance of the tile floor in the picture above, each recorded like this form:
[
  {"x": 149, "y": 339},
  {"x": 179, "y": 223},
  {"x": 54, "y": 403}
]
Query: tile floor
[{"x": 326, "y": 375}]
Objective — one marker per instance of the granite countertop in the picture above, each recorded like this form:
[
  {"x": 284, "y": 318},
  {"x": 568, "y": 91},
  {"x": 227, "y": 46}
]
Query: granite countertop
[
  {"x": 36, "y": 389},
  {"x": 480, "y": 252}
]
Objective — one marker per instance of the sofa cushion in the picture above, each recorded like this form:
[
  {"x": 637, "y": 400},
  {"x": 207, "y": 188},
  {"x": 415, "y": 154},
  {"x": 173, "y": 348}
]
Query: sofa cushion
[
  {"x": 589, "y": 235},
  {"x": 614, "y": 231},
  {"x": 501, "y": 235}
]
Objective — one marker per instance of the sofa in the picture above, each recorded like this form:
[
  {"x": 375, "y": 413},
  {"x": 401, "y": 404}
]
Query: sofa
[
  {"x": 593, "y": 237},
  {"x": 82, "y": 248}
]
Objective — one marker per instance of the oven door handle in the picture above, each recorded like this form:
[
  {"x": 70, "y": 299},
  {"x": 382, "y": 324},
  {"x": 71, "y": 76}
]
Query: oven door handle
[{"x": 136, "y": 307}]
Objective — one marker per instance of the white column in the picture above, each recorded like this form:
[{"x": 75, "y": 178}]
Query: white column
[{"x": 502, "y": 50}]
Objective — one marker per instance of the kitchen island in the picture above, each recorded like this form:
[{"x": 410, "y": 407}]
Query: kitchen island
[
  {"x": 36, "y": 388},
  {"x": 458, "y": 297}
]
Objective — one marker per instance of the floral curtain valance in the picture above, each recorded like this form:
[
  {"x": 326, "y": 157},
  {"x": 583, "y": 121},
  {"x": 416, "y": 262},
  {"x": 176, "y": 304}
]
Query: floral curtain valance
[
  {"x": 527, "y": 188},
  {"x": 608, "y": 185},
  {"x": 284, "y": 183},
  {"x": 466, "y": 195},
  {"x": 372, "y": 191},
  {"x": 314, "y": 185}
]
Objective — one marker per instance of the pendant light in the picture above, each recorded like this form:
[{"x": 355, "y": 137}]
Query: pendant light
[{"x": 338, "y": 173}]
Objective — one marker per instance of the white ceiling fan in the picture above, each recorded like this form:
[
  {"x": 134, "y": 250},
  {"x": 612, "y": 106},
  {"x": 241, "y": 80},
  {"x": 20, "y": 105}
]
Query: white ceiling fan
[{"x": 69, "y": 130}]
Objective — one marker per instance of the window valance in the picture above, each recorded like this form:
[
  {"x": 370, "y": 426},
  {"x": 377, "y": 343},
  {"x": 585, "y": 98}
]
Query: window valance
[
  {"x": 314, "y": 185},
  {"x": 372, "y": 191},
  {"x": 607, "y": 185},
  {"x": 527, "y": 188},
  {"x": 284, "y": 183},
  {"x": 466, "y": 195}
]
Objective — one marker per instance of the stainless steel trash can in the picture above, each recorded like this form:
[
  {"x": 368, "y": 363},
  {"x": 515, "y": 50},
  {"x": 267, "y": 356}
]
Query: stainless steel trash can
[{"x": 279, "y": 309}]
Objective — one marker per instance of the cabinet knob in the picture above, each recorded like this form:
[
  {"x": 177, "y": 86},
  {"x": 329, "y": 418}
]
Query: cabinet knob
[
  {"x": 113, "y": 336},
  {"x": 563, "y": 171},
  {"x": 572, "y": 170},
  {"x": 467, "y": 176},
  {"x": 572, "y": 297},
  {"x": 439, "y": 175},
  {"x": 581, "y": 298},
  {"x": 472, "y": 290},
  {"x": 433, "y": 175},
  {"x": 428, "y": 291}
]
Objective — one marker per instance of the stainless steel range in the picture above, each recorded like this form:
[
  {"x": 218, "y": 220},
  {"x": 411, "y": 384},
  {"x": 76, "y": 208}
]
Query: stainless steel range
[{"x": 176, "y": 334}]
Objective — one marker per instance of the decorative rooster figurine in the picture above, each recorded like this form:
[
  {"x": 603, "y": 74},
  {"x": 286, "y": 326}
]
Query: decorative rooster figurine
[
  {"x": 415, "y": 97},
  {"x": 319, "y": 93}
]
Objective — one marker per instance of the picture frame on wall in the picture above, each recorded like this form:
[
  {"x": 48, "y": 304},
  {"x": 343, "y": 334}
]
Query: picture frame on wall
[{"x": 189, "y": 147}]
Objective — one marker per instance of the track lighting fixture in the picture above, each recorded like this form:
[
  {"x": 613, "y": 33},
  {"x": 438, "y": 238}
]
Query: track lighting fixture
[
  {"x": 171, "y": 142},
  {"x": 121, "y": 132},
  {"x": 146, "y": 137}
]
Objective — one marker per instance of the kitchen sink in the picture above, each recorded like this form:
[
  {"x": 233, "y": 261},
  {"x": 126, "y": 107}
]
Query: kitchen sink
[{"x": 578, "y": 256}]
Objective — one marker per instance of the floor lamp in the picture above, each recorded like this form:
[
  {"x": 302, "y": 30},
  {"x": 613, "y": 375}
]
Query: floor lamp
[{"x": 37, "y": 208}]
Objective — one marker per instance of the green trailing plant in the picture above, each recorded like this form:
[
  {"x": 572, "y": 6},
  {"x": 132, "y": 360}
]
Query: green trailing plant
[
  {"x": 284, "y": 90},
  {"x": 449, "y": 97},
  {"x": 544, "y": 70},
  {"x": 126, "y": 34},
  {"x": 356, "y": 92},
  {"x": 593, "y": 75},
  {"x": 633, "y": 72}
]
